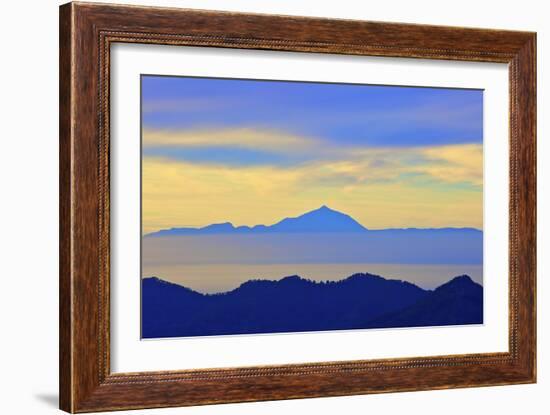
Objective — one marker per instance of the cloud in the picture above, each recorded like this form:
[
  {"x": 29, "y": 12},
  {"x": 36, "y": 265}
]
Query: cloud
[
  {"x": 451, "y": 164},
  {"x": 381, "y": 188},
  {"x": 244, "y": 138},
  {"x": 456, "y": 163},
  {"x": 242, "y": 146}
]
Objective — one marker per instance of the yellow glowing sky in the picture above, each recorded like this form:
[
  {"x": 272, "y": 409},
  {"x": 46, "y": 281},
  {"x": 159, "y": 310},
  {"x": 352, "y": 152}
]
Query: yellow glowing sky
[{"x": 418, "y": 186}]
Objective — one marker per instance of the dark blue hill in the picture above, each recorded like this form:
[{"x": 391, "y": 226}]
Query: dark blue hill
[
  {"x": 295, "y": 304},
  {"x": 457, "y": 302}
]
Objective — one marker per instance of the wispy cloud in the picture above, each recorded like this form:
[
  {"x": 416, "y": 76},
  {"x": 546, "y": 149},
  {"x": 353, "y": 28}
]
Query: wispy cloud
[
  {"x": 381, "y": 188},
  {"x": 245, "y": 138},
  {"x": 352, "y": 165},
  {"x": 456, "y": 163}
]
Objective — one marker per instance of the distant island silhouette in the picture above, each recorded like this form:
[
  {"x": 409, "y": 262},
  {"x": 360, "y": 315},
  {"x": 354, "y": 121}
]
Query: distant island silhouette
[
  {"x": 323, "y": 219},
  {"x": 320, "y": 236},
  {"x": 294, "y": 304}
]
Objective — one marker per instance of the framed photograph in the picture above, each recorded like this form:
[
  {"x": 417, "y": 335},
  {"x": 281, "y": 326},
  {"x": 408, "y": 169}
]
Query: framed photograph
[{"x": 260, "y": 207}]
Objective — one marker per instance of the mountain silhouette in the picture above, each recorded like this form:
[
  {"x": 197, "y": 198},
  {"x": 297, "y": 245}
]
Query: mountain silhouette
[
  {"x": 323, "y": 235},
  {"x": 294, "y": 304},
  {"x": 459, "y": 301},
  {"x": 323, "y": 219}
]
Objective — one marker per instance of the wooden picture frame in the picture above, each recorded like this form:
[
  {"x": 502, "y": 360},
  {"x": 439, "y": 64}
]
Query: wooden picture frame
[{"x": 86, "y": 33}]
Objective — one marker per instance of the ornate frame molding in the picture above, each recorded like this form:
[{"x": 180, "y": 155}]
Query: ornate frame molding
[{"x": 86, "y": 33}]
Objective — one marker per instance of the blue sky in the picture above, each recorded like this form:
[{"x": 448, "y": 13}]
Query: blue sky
[{"x": 363, "y": 115}]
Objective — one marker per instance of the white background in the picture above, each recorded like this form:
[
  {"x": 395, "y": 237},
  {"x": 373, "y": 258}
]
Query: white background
[
  {"x": 29, "y": 228},
  {"x": 129, "y": 354}
]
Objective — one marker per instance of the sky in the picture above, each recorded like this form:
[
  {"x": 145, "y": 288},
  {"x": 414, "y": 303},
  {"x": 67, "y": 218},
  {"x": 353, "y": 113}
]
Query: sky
[{"x": 254, "y": 152}]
